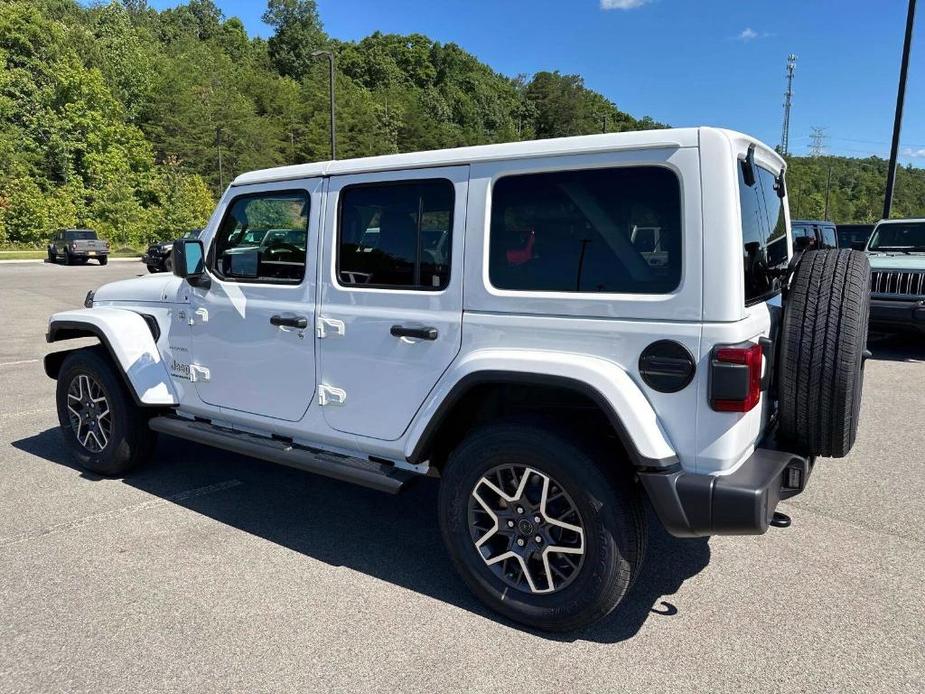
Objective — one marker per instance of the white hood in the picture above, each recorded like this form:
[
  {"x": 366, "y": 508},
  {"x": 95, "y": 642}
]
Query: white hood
[{"x": 148, "y": 288}]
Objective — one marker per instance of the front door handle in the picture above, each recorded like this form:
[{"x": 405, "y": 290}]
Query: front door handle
[
  {"x": 417, "y": 333},
  {"x": 289, "y": 320}
]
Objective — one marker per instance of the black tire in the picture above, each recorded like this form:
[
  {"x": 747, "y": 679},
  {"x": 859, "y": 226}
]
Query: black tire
[
  {"x": 67, "y": 258},
  {"x": 51, "y": 255},
  {"x": 168, "y": 263},
  {"x": 153, "y": 269},
  {"x": 823, "y": 339},
  {"x": 104, "y": 259},
  {"x": 609, "y": 507},
  {"x": 128, "y": 441}
]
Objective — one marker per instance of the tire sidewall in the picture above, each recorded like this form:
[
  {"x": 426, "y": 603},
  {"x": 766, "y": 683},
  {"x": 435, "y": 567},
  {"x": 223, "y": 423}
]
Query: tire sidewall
[
  {"x": 116, "y": 455},
  {"x": 605, "y": 572}
]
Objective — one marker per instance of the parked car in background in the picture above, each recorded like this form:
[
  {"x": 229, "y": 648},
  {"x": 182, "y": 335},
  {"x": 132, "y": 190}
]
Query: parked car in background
[
  {"x": 854, "y": 236},
  {"x": 159, "y": 256},
  {"x": 76, "y": 246},
  {"x": 813, "y": 235},
  {"x": 896, "y": 252}
]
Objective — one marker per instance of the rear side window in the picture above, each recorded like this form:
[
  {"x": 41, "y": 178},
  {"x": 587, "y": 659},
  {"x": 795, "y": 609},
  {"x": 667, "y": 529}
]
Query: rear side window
[
  {"x": 612, "y": 230},
  {"x": 263, "y": 238},
  {"x": 829, "y": 239},
  {"x": 764, "y": 235},
  {"x": 396, "y": 235}
]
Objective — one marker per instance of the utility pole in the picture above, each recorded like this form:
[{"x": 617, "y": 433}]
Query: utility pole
[
  {"x": 788, "y": 102},
  {"x": 898, "y": 117},
  {"x": 817, "y": 142},
  {"x": 330, "y": 56}
]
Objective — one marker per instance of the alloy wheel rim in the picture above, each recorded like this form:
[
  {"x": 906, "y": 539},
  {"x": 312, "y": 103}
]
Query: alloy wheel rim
[
  {"x": 89, "y": 413},
  {"x": 526, "y": 528}
]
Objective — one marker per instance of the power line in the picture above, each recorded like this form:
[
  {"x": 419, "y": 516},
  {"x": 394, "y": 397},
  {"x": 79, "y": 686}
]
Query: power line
[{"x": 788, "y": 102}]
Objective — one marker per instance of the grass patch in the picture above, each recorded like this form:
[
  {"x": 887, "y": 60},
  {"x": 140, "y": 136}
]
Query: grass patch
[{"x": 36, "y": 254}]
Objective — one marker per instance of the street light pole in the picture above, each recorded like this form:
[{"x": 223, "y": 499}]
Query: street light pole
[
  {"x": 330, "y": 56},
  {"x": 898, "y": 118}
]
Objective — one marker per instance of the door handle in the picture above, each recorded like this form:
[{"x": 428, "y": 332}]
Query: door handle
[
  {"x": 289, "y": 320},
  {"x": 417, "y": 333}
]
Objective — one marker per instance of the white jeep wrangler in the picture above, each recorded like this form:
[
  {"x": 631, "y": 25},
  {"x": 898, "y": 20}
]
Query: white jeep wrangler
[{"x": 559, "y": 330}]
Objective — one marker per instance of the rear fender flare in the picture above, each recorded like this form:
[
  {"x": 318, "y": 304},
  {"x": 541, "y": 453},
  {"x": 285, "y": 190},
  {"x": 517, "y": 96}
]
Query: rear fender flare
[
  {"x": 130, "y": 343},
  {"x": 605, "y": 382}
]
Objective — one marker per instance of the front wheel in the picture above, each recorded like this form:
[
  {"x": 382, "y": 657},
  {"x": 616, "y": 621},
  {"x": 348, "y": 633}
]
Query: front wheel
[
  {"x": 104, "y": 259},
  {"x": 537, "y": 528},
  {"x": 104, "y": 428}
]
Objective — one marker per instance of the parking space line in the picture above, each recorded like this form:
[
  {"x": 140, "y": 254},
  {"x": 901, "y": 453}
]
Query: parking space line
[
  {"x": 22, "y": 361},
  {"x": 119, "y": 512}
]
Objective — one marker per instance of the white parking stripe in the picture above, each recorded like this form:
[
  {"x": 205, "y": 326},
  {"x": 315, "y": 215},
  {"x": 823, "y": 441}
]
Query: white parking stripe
[{"x": 23, "y": 361}]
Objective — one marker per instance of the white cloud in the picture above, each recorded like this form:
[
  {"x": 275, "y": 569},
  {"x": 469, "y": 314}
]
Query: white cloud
[
  {"x": 623, "y": 4},
  {"x": 748, "y": 34},
  {"x": 914, "y": 153}
]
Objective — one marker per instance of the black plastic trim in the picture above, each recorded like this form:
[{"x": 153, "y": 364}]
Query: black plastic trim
[
  {"x": 667, "y": 366},
  {"x": 740, "y": 503},
  {"x": 373, "y": 474},
  {"x": 465, "y": 384}
]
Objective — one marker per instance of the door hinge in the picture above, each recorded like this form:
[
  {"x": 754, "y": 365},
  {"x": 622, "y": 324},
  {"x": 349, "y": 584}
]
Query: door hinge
[
  {"x": 329, "y": 395},
  {"x": 199, "y": 373},
  {"x": 330, "y": 326}
]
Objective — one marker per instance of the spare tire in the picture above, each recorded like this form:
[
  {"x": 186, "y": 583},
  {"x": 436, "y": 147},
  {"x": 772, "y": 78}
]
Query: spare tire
[{"x": 823, "y": 343}]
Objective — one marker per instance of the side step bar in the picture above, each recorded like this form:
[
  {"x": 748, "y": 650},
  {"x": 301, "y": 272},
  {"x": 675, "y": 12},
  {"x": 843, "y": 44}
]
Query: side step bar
[{"x": 366, "y": 473}]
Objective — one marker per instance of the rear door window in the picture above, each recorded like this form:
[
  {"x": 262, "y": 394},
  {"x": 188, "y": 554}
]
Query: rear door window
[
  {"x": 829, "y": 239},
  {"x": 764, "y": 235},
  {"x": 614, "y": 230}
]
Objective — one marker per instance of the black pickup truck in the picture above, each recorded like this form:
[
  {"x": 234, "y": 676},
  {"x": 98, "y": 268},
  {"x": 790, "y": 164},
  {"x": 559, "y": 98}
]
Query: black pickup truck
[{"x": 76, "y": 246}]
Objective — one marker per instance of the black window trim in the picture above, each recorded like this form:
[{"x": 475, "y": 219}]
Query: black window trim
[
  {"x": 604, "y": 166},
  {"x": 767, "y": 296},
  {"x": 210, "y": 253},
  {"x": 417, "y": 264}
]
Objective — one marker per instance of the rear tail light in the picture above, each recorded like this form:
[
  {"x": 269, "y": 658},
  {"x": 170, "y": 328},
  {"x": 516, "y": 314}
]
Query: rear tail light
[{"x": 735, "y": 377}]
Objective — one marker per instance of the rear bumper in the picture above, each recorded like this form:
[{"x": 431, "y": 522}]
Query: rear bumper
[
  {"x": 83, "y": 252},
  {"x": 897, "y": 315},
  {"x": 740, "y": 503}
]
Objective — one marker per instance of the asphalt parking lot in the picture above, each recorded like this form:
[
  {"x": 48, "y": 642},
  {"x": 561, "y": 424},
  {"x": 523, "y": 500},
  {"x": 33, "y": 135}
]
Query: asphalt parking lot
[{"x": 207, "y": 571}]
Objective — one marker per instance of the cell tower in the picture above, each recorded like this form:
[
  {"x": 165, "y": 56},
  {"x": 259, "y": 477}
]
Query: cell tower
[
  {"x": 788, "y": 102},
  {"x": 817, "y": 142}
]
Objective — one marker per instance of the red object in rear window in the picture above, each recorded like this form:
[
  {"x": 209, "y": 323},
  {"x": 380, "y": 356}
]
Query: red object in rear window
[
  {"x": 750, "y": 356},
  {"x": 519, "y": 256}
]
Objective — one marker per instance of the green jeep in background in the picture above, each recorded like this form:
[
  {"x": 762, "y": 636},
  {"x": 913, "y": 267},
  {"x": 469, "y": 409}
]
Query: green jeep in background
[{"x": 896, "y": 251}]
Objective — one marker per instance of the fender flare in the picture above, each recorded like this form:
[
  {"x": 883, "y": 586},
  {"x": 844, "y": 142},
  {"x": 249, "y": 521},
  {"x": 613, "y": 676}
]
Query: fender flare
[
  {"x": 130, "y": 340},
  {"x": 605, "y": 383}
]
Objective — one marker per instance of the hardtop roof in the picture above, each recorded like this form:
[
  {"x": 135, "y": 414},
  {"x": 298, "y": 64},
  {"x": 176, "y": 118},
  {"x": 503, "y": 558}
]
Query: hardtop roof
[{"x": 583, "y": 144}]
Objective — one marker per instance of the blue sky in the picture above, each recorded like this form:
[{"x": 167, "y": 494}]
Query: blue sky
[{"x": 683, "y": 62}]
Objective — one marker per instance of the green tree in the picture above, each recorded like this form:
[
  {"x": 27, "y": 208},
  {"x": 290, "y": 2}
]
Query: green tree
[{"x": 298, "y": 33}]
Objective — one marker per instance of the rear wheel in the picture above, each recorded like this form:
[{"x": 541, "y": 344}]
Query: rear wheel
[
  {"x": 536, "y": 528},
  {"x": 824, "y": 336},
  {"x": 104, "y": 259},
  {"x": 104, "y": 428}
]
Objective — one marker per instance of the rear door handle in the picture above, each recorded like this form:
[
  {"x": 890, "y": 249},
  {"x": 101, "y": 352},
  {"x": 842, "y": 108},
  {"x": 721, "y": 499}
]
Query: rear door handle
[
  {"x": 417, "y": 333},
  {"x": 289, "y": 320}
]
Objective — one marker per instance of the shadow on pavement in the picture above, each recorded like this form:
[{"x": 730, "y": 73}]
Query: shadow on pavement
[
  {"x": 395, "y": 539},
  {"x": 907, "y": 348}
]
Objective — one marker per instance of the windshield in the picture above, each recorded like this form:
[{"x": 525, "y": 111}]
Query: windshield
[
  {"x": 899, "y": 237},
  {"x": 79, "y": 235}
]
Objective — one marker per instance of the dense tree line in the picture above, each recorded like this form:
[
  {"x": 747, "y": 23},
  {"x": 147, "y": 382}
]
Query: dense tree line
[{"x": 131, "y": 121}]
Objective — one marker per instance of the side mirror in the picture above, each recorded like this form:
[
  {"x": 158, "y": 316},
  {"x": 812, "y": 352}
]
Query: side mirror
[{"x": 189, "y": 262}]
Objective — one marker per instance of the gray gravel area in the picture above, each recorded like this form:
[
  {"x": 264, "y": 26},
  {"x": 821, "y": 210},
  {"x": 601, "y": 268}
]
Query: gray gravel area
[{"x": 207, "y": 571}]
